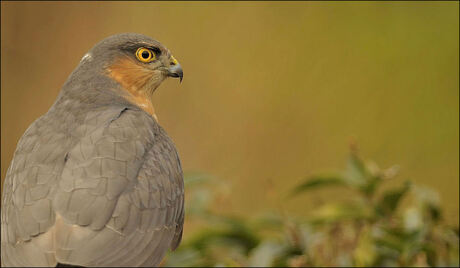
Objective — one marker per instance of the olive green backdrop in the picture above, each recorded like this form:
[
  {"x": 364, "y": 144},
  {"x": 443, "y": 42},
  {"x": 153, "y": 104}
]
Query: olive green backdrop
[{"x": 272, "y": 91}]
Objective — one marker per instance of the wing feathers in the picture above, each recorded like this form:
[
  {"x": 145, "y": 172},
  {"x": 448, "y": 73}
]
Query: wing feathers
[{"x": 118, "y": 198}]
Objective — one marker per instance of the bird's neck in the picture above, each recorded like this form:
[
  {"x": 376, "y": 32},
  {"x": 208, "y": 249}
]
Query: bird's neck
[
  {"x": 142, "y": 99},
  {"x": 136, "y": 82}
]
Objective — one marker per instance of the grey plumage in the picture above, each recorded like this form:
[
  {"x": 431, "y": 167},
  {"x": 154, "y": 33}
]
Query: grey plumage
[{"x": 95, "y": 181}]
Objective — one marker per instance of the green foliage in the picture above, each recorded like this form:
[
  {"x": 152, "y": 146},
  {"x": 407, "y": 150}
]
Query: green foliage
[
  {"x": 380, "y": 226},
  {"x": 319, "y": 181}
]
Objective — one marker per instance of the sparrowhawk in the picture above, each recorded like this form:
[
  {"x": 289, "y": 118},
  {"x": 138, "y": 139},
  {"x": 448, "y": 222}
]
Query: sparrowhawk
[{"x": 96, "y": 181}]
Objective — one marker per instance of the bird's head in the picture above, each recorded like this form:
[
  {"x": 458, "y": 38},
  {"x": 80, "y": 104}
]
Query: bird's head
[{"x": 136, "y": 62}]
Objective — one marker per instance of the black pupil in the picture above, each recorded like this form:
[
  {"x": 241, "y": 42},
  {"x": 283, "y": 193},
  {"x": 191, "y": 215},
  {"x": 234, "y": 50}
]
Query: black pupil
[{"x": 145, "y": 54}]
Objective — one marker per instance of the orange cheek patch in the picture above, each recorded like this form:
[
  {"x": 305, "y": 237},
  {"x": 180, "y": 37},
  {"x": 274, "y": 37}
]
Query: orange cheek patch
[
  {"x": 133, "y": 77},
  {"x": 129, "y": 74}
]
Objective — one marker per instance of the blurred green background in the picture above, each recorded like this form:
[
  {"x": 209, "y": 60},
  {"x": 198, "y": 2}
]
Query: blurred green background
[{"x": 272, "y": 92}]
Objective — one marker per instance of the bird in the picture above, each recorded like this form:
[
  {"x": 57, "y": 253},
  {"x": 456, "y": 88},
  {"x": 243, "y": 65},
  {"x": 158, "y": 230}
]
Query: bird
[{"x": 96, "y": 181}]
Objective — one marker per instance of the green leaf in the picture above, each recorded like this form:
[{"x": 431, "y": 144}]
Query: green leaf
[
  {"x": 316, "y": 182},
  {"x": 229, "y": 232},
  {"x": 359, "y": 176},
  {"x": 196, "y": 178},
  {"x": 391, "y": 198},
  {"x": 356, "y": 173},
  {"x": 331, "y": 212},
  {"x": 400, "y": 240},
  {"x": 429, "y": 202}
]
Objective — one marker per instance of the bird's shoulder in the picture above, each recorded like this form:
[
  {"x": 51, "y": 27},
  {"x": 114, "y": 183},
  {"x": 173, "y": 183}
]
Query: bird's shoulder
[
  {"x": 123, "y": 179},
  {"x": 128, "y": 155}
]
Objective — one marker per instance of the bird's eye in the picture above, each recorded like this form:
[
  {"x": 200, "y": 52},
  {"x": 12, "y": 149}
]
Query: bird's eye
[{"x": 145, "y": 55}]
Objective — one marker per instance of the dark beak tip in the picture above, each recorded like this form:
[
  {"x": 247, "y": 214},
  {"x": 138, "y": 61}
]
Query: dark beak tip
[
  {"x": 181, "y": 76},
  {"x": 176, "y": 71}
]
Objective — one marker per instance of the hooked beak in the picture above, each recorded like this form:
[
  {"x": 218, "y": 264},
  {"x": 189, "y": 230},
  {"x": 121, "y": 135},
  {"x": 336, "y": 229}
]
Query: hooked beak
[{"x": 176, "y": 71}]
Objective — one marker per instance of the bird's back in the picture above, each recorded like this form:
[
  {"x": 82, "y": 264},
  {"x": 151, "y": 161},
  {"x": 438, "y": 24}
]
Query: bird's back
[{"x": 91, "y": 185}]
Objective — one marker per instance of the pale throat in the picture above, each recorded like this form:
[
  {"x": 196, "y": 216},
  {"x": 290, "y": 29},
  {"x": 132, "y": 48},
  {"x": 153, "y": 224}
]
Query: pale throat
[{"x": 138, "y": 81}]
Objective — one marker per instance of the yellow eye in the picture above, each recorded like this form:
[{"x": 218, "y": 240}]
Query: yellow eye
[{"x": 145, "y": 55}]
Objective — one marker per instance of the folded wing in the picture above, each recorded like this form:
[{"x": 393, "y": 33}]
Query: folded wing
[{"x": 120, "y": 196}]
